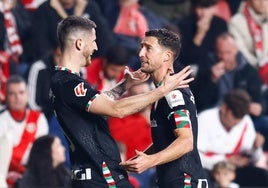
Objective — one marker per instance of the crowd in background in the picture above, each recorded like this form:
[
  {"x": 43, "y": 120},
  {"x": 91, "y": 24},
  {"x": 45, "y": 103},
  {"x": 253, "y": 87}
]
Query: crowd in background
[{"x": 225, "y": 42}]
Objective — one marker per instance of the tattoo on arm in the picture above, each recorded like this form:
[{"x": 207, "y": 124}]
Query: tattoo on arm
[{"x": 117, "y": 91}]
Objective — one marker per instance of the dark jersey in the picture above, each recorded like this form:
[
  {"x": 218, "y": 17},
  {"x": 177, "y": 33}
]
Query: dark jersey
[
  {"x": 175, "y": 110},
  {"x": 94, "y": 154}
]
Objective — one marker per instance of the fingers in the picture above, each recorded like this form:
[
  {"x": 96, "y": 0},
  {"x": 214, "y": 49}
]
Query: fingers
[
  {"x": 184, "y": 73},
  {"x": 181, "y": 77},
  {"x": 186, "y": 82}
]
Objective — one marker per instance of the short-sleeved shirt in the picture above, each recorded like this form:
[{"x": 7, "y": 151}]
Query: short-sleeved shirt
[
  {"x": 175, "y": 110},
  {"x": 93, "y": 152}
]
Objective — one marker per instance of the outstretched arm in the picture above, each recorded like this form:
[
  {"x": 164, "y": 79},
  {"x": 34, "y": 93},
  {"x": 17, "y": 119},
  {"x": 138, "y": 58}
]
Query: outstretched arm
[
  {"x": 130, "y": 79},
  {"x": 106, "y": 105}
]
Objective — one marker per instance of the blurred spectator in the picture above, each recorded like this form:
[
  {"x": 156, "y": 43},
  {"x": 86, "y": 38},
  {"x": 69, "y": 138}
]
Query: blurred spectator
[
  {"x": 20, "y": 125},
  {"x": 223, "y": 10},
  {"x": 226, "y": 70},
  {"x": 229, "y": 70},
  {"x": 227, "y": 133},
  {"x": 250, "y": 30},
  {"x": 104, "y": 72},
  {"x": 38, "y": 82},
  {"x": 7, "y": 67},
  {"x": 224, "y": 174},
  {"x": 48, "y": 14},
  {"x": 45, "y": 168},
  {"x": 15, "y": 38},
  {"x": 199, "y": 31},
  {"x": 123, "y": 129},
  {"x": 129, "y": 20},
  {"x": 32, "y": 5},
  {"x": 173, "y": 10},
  {"x": 39, "y": 75}
]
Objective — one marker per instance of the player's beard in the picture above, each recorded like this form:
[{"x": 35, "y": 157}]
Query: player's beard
[
  {"x": 87, "y": 57},
  {"x": 145, "y": 66}
]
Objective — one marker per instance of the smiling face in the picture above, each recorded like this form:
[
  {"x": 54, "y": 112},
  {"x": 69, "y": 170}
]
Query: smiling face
[{"x": 90, "y": 46}]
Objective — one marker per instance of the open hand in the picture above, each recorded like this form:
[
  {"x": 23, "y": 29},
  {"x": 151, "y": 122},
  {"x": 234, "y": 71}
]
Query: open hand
[
  {"x": 139, "y": 164},
  {"x": 178, "y": 80}
]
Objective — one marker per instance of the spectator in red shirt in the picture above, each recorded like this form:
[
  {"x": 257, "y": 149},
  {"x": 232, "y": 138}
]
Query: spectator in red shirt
[{"x": 105, "y": 72}]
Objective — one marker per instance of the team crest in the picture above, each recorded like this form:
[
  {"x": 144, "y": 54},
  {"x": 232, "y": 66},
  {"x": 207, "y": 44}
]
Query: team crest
[
  {"x": 30, "y": 127},
  {"x": 79, "y": 90}
]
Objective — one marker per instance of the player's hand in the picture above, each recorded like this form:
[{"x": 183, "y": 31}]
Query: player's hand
[
  {"x": 178, "y": 80},
  {"x": 140, "y": 163},
  {"x": 135, "y": 78}
]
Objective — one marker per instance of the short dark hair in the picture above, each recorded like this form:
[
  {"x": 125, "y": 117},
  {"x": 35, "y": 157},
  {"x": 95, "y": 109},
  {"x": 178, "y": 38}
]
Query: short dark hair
[
  {"x": 117, "y": 55},
  {"x": 15, "y": 79},
  {"x": 203, "y": 3},
  {"x": 238, "y": 101},
  {"x": 71, "y": 24},
  {"x": 168, "y": 39}
]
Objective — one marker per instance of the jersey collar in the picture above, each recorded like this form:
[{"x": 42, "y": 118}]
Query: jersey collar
[{"x": 66, "y": 69}]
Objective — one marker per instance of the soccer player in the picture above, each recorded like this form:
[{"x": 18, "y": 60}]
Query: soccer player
[
  {"x": 80, "y": 108},
  {"x": 173, "y": 119}
]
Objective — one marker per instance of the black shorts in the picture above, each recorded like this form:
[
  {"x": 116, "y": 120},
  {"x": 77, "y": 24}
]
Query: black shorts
[
  {"x": 185, "y": 182},
  {"x": 93, "y": 184}
]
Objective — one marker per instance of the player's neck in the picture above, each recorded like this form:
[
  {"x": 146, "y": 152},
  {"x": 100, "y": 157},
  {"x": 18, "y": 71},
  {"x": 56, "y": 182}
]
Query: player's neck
[
  {"x": 69, "y": 63},
  {"x": 159, "y": 76}
]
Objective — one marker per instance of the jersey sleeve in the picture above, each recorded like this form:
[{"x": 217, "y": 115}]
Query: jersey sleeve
[
  {"x": 179, "y": 112},
  {"x": 79, "y": 94}
]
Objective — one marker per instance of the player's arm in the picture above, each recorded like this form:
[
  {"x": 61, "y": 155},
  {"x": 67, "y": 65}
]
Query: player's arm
[
  {"x": 179, "y": 147},
  {"x": 129, "y": 79},
  {"x": 105, "y": 104}
]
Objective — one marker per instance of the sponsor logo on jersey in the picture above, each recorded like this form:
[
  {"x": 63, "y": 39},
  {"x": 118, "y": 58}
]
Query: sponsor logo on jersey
[
  {"x": 79, "y": 90},
  {"x": 82, "y": 174},
  {"x": 153, "y": 123},
  {"x": 175, "y": 98}
]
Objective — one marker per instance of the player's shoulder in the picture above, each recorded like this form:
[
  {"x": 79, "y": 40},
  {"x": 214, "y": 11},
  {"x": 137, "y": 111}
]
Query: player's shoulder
[
  {"x": 66, "y": 79},
  {"x": 179, "y": 96}
]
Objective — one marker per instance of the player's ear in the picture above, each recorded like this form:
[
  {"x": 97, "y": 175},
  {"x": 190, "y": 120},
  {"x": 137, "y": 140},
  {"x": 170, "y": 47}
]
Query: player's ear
[
  {"x": 167, "y": 55},
  {"x": 78, "y": 44}
]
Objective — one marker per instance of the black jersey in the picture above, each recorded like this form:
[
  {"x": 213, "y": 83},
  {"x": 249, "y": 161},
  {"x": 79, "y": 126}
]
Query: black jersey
[
  {"x": 93, "y": 152},
  {"x": 175, "y": 110}
]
